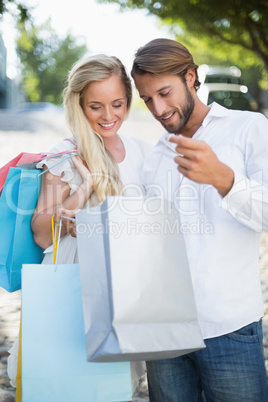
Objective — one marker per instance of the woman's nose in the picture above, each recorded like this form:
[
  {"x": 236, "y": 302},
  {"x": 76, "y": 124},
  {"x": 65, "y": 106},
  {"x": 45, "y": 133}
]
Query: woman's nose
[{"x": 107, "y": 114}]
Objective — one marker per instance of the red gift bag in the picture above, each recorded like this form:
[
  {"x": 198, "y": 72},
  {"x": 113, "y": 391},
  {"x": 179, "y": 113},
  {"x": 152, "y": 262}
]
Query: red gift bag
[
  {"x": 29, "y": 158},
  {"x": 21, "y": 159}
]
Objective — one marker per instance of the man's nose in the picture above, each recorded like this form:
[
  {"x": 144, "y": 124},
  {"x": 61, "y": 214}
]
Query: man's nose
[{"x": 159, "y": 107}]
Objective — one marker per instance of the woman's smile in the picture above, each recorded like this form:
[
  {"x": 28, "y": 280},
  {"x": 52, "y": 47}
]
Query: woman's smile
[{"x": 108, "y": 126}]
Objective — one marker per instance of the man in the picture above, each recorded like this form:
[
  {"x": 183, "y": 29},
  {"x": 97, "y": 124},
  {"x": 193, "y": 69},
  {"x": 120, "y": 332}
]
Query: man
[{"x": 219, "y": 183}]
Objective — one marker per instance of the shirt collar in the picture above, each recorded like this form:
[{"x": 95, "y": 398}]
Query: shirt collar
[{"x": 216, "y": 110}]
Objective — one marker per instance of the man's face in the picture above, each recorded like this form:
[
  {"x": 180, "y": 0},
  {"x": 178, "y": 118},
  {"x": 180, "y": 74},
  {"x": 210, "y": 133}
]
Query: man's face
[{"x": 168, "y": 98}]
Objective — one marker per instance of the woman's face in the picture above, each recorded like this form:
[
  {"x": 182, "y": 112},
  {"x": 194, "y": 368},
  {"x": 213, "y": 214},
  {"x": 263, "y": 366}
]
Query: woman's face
[{"x": 105, "y": 105}]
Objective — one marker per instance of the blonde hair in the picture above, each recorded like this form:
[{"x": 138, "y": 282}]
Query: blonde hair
[
  {"x": 90, "y": 144},
  {"x": 164, "y": 57}
]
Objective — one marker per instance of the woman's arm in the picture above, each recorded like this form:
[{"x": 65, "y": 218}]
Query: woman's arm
[{"x": 55, "y": 195}]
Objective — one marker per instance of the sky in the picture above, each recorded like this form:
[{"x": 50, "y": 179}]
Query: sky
[{"x": 104, "y": 28}]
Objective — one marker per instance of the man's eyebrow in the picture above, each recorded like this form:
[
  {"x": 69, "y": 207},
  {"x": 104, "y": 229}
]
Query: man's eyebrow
[
  {"x": 159, "y": 90},
  {"x": 162, "y": 89}
]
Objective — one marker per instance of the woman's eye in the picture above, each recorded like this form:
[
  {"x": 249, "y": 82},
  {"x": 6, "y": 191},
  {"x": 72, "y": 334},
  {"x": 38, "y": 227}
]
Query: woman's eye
[
  {"x": 117, "y": 106},
  {"x": 94, "y": 107}
]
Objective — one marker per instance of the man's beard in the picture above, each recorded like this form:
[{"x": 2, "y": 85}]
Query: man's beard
[{"x": 184, "y": 114}]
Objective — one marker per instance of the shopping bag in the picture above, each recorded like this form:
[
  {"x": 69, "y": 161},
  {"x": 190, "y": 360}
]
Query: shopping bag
[
  {"x": 21, "y": 159},
  {"x": 54, "y": 362},
  {"x": 18, "y": 379},
  {"x": 29, "y": 160},
  {"x": 138, "y": 300},
  {"x": 17, "y": 204}
]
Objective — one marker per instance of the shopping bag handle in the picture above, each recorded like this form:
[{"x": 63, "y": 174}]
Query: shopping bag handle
[
  {"x": 56, "y": 233},
  {"x": 71, "y": 154}
]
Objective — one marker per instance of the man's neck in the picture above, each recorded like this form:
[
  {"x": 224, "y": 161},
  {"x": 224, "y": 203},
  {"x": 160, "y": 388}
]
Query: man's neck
[{"x": 196, "y": 120}]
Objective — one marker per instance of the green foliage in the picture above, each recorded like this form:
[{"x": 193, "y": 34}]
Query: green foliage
[
  {"x": 18, "y": 10},
  {"x": 235, "y": 22},
  {"x": 46, "y": 60},
  {"x": 31, "y": 84},
  {"x": 212, "y": 51}
]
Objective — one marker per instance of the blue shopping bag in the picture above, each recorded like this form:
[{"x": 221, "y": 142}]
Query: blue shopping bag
[
  {"x": 17, "y": 204},
  {"x": 54, "y": 361}
]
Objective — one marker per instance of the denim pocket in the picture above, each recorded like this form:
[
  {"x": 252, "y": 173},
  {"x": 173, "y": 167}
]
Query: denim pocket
[{"x": 247, "y": 334}]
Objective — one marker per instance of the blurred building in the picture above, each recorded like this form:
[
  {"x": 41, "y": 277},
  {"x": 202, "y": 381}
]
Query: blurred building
[
  {"x": 3, "y": 77},
  {"x": 10, "y": 93}
]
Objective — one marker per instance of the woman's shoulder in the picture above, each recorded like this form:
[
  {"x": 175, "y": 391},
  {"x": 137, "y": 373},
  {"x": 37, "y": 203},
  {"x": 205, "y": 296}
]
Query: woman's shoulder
[
  {"x": 67, "y": 144},
  {"x": 58, "y": 159}
]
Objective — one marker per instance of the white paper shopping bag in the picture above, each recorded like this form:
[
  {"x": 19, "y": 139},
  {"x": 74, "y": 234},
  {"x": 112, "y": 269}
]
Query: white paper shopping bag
[
  {"x": 54, "y": 361},
  {"x": 137, "y": 294}
]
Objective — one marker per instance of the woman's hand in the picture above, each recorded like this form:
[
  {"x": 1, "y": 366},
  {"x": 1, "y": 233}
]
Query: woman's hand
[
  {"x": 69, "y": 225},
  {"x": 68, "y": 215},
  {"x": 55, "y": 199},
  {"x": 86, "y": 176}
]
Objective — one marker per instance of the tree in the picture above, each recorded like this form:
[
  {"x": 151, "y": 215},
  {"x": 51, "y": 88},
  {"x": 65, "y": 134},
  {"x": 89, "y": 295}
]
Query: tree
[
  {"x": 17, "y": 9},
  {"x": 211, "y": 51},
  {"x": 46, "y": 60},
  {"x": 236, "y": 22}
]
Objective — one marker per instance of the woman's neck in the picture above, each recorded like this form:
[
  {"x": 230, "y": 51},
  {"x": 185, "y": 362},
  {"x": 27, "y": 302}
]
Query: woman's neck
[{"x": 116, "y": 147}]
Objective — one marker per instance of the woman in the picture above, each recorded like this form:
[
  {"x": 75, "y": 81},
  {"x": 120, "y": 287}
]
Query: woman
[{"x": 97, "y": 100}]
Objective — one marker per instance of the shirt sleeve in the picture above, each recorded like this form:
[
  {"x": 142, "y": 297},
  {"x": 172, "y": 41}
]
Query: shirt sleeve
[
  {"x": 247, "y": 201},
  {"x": 60, "y": 165}
]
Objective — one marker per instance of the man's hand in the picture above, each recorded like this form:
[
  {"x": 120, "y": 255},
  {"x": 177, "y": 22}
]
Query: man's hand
[{"x": 199, "y": 163}]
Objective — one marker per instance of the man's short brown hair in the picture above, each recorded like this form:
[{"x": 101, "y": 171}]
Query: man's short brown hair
[{"x": 164, "y": 57}]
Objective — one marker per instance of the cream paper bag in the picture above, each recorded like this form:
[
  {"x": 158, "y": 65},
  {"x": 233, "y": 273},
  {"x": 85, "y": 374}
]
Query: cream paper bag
[{"x": 137, "y": 295}]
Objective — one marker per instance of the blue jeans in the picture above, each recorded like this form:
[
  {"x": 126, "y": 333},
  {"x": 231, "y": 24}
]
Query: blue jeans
[{"x": 230, "y": 369}]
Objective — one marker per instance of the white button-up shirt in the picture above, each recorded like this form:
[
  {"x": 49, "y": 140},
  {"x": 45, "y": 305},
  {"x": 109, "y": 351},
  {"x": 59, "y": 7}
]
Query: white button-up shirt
[{"x": 221, "y": 234}]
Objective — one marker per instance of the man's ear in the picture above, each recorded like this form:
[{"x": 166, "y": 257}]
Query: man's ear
[{"x": 190, "y": 77}]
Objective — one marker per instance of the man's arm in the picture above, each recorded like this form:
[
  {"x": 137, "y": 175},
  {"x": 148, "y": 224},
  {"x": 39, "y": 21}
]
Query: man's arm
[{"x": 245, "y": 194}]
